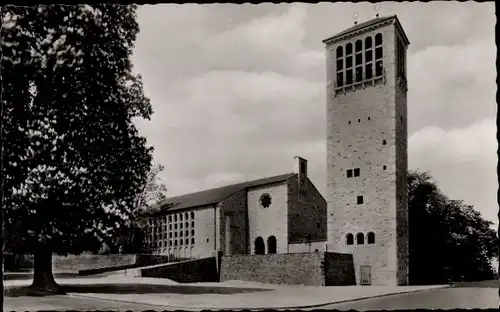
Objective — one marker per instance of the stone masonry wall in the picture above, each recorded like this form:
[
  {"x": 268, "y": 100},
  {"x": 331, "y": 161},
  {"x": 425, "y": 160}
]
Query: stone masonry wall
[
  {"x": 357, "y": 123},
  {"x": 312, "y": 269},
  {"x": 235, "y": 208},
  {"x": 306, "y": 216},
  {"x": 293, "y": 269}
]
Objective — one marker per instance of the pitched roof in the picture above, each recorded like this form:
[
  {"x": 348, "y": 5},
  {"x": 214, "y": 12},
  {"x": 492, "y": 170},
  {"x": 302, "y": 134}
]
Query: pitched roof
[
  {"x": 361, "y": 25},
  {"x": 216, "y": 195}
]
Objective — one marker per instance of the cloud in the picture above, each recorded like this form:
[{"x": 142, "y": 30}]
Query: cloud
[{"x": 463, "y": 161}]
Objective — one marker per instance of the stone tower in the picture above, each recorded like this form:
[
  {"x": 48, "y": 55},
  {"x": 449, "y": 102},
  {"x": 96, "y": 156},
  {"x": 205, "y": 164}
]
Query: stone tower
[{"x": 367, "y": 149}]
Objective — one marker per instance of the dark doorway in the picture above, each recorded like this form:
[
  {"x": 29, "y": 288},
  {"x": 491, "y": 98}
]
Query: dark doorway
[
  {"x": 260, "y": 247},
  {"x": 271, "y": 245}
]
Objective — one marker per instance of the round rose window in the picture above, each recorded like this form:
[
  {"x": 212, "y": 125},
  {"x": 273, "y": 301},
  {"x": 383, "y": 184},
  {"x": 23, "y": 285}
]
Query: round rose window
[{"x": 265, "y": 200}]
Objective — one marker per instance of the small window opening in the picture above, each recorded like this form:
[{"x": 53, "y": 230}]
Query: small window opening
[
  {"x": 349, "y": 173},
  {"x": 356, "y": 172},
  {"x": 384, "y": 142},
  {"x": 401, "y": 118},
  {"x": 368, "y": 118},
  {"x": 349, "y": 122},
  {"x": 371, "y": 238},
  {"x": 360, "y": 238},
  {"x": 208, "y": 240},
  {"x": 360, "y": 200},
  {"x": 318, "y": 224},
  {"x": 349, "y": 239},
  {"x": 359, "y": 120},
  {"x": 385, "y": 167}
]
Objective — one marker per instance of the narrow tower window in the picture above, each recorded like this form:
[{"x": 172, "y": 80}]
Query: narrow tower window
[
  {"x": 348, "y": 63},
  {"x": 379, "y": 65},
  {"x": 340, "y": 66},
  {"x": 356, "y": 172},
  {"x": 349, "y": 173},
  {"x": 358, "y": 58},
  {"x": 360, "y": 200},
  {"x": 368, "y": 58},
  {"x": 384, "y": 142}
]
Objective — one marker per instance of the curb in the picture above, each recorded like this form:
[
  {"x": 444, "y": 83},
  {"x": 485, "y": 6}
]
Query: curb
[{"x": 263, "y": 308}]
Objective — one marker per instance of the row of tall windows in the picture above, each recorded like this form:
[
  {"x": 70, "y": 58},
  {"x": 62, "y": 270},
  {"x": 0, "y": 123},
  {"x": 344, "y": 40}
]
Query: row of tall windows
[{"x": 357, "y": 65}]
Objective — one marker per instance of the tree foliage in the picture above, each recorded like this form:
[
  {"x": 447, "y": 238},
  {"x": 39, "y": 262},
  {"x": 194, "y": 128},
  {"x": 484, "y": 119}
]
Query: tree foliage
[
  {"x": 449, "y": 240},
  {"x": 73, "y": 159}
]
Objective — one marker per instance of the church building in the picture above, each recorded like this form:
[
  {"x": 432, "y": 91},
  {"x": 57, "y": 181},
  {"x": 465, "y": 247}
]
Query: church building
[
  {"x": 366, "y": 208},
  {"x": 279, "y": 214}
]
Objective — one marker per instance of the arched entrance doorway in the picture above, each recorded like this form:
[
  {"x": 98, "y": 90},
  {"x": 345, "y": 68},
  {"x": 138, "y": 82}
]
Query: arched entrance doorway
[{"x": 260, "y": 247}]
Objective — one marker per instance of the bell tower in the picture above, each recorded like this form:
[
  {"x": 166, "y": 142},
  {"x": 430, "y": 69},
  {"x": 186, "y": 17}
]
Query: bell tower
[{"x": 367, "y": 149}]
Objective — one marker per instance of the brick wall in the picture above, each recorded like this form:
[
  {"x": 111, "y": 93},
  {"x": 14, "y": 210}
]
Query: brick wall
[
  {"x": 304, "y": 215},
  {"x": 193, "y": 271},
  {"x": 357, "y": 123},
  {"x": 313, "y": 269},
  {"x": 234, "y": 207}
]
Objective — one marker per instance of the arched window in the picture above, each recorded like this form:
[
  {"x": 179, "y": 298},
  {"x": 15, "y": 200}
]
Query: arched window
[
  {"x": 259, "y": 246},
  {"x": 192, "y": 232},
  {"x": 368, "y": 43},
  {"x": 358, "y": 46},
  {"x": 169, "y": 218},
  {"x": 175, "y": 242},
  {"x": 180, "y": 217},
  {"x": 186, "y": 241},
  {"x": 192, "y": 223},
  {"x": 340, "y": 52},
  {"x": 316, "y": 250},
  {"x": 348, "y": 49},
  {"x": 192, "y": 214},
  {"x": 187, "y": 233},
  {"x": 186, "y": 216},
  {"x": 192, "y": 240},
  {"x": 360, "y": 238},
  {"x": 175, "y": 218},
  {"x": 271, "y": 245},
  {"x": 186, "y": 224},
  {"x": 378, "y": 39},
  {"x": 349, "y": 239},
  {"x": 371, "y": 238}
]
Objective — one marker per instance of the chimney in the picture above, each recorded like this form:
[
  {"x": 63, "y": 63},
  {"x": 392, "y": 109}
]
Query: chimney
[{"x": 301, "y": 169}]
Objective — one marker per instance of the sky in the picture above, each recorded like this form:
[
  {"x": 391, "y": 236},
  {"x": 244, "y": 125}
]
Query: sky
[{"x": 239, "y": 90}]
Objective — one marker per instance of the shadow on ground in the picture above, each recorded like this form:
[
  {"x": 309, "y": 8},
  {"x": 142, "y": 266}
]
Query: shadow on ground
[
  {"x": 132, "y": 289},
  {"x": 27, "y": 275},
  {"x": 480, "y": 284}
]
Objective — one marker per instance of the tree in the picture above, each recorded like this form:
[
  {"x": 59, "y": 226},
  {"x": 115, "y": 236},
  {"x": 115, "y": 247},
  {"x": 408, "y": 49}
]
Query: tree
[
  {"x": 152, "y": 194},
  {"x": 449, "y": 240},
  {"x": 74, "y": 161}
]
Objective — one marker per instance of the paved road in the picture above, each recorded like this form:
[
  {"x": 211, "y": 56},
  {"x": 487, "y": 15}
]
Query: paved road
[
  {"x": 448, "y": 298},
  {"x": 65, "y": 303}
]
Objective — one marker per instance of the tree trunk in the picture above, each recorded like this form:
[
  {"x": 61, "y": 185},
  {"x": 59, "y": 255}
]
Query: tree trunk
[{"x": 43, "y": 279}]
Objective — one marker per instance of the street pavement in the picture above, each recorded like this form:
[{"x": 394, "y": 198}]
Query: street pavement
[
  {"x": 125, "y": 292},
  {"x": 448, "y": 298}
]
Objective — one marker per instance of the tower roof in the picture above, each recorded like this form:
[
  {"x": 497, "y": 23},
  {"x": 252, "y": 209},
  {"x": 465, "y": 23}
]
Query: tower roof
[{"x": 367, "y": 24}]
